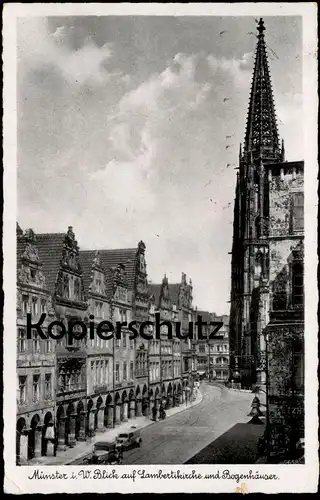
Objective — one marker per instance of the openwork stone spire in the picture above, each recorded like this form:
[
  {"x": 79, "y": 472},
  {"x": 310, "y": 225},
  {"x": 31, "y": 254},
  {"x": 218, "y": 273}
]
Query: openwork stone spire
[{"x": 262, "y": 139}]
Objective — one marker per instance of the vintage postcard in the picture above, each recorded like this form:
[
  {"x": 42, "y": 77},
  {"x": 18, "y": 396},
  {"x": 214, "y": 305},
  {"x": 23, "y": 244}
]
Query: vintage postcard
[{"x": 160, "y": 248}]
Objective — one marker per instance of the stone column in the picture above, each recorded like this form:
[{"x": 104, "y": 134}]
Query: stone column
[
  {"x": 37, "y": 441},
  {"x": 132, "y": 412},
  {"x": 157, "y": 406},
  {"x": 101, "y": 427},
  {"x": 109, "y": 422},
  {"x": 50, "y": 449},
  {"x": 139, "y": 408},
  {"x": 82, "y": 428},
  {"x": 49, "y": 440},
  {"x": 23, "y": 453},
  {"x": 118, "y": 414},
  {"x": 91, "y": 423},
  {"x": 61, "y": 434},
  {"x": 180, "y": 398},
  {"x": 72, "y": 430},
  {"x": 125, "y": 412}
]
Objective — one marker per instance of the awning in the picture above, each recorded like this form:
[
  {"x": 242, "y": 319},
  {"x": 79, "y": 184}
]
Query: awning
[{"x": 201, "y": 372}]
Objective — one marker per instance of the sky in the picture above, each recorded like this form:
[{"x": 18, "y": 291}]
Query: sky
[{"x": 122, "y": 133}]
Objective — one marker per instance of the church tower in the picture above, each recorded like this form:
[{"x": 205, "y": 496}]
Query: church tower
[{"x": 250, "y": 248}]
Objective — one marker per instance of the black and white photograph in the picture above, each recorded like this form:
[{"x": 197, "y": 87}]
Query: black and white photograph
[{"x": 160, "y": 219}]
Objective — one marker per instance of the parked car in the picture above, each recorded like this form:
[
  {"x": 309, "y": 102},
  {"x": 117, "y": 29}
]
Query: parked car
[
  {"x": 129, "y": 439},
  {"x": 105, "y": 452}
]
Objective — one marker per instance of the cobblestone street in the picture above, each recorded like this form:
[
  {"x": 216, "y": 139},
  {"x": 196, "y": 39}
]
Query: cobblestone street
[{"x": 177, "y": 439}]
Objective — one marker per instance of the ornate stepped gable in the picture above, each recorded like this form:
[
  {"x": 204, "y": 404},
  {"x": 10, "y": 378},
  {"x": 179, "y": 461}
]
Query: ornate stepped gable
[
  {"x": 141, "y": 283},
  {"x": 29, "y": 266},
  {"x": 59, "y": 253},
  {"x": 92, "y": 269},
  {"x": 128, "y": 266},
  {"x": 165, "y": 295},
  {"x": 165, "y": 300},
  {"x": 185, "y": 293},
  {"x": 119, "y": 278}
]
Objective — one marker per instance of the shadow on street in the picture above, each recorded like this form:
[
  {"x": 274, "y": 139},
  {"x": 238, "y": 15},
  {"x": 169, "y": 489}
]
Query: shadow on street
[{"x": 239, "y": 445}]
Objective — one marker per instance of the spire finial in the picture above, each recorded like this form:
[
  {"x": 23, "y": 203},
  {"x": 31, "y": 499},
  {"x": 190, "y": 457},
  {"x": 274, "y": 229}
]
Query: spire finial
[{"x": 261, "y": 28}]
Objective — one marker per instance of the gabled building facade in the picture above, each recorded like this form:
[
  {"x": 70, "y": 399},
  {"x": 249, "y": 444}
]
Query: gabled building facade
[
  {"x": 59, "y": 253},
  {"x": 35, "y": 357},
  {"x": 173, "y": 302},
  {"x": 163, "y": 307},
  {"x": 130, "y": 302},
  {"x": 99, "y": 361},
  {"x": 213, "y": 354}
]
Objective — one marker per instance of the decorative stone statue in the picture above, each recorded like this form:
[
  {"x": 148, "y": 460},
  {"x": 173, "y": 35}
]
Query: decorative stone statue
[
  {"x": 30, "y": 253},
  {"x": 24, "y": 274}
]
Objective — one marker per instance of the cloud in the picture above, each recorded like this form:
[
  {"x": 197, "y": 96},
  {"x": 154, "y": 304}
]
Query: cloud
[
  {"x": 234, "y": 71},
  {"x": 38, "y": 47},
  {"x": 157, "y": 107}
]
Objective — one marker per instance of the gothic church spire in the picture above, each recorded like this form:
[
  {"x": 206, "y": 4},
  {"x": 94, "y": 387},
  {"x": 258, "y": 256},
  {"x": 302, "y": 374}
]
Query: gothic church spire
[{"x": 262, "y": 138}]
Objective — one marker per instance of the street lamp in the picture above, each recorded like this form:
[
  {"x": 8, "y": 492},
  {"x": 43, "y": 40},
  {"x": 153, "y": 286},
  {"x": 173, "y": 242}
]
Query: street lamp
[{"x": 236, "y": 374}]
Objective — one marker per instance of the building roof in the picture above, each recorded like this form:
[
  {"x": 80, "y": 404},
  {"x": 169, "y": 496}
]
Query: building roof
[
  {"x": 125, "y": 256},
  {"x": 21, "y": 246},
  {"x": 86, "y": 258},
  {"x": 205, "y": 315},
  {"x": 50, "y": 246},
  {"x": 155, "y": 290}
]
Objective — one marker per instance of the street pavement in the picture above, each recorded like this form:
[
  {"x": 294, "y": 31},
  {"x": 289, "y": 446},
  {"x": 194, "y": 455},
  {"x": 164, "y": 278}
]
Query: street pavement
[{"x": 178, "y": 438}]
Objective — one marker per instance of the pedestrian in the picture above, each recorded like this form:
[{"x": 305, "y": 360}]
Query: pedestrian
[
  {"x": 154, "y": 413},
  {"x": 120, "y": 452}
]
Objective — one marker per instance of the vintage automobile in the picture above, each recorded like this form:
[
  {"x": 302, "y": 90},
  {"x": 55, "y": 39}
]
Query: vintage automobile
[
  {"x": 106, "y": 452},
  {"x": 129, "y": 439}
]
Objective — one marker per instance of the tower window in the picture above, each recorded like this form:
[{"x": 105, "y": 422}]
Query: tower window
[
  {"x": 298, "y": 212},
  {"x": 297, "y": 285}
]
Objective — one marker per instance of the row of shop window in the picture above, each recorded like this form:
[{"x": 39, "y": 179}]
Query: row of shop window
[{"x": 214, "y": 348}]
